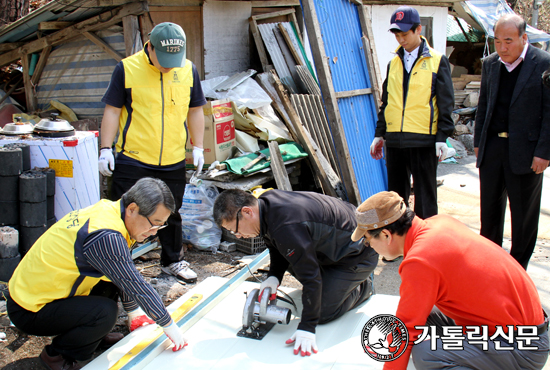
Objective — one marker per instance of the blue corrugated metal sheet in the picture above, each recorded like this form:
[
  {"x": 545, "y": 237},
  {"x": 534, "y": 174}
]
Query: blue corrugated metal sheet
[
  {"x": 341, "y": 32},
  {"x": 78, "y": 74}
]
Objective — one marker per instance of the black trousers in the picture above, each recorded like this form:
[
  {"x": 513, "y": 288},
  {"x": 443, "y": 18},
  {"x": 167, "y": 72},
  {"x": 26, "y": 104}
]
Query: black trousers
[
  {"x": 422, "y": 164},
  {"x": 78, "y": 323},
  {"x": 171, "y": 239},
  {"x": 346, "y": 288},
  {"x": 497, "y": 184}
]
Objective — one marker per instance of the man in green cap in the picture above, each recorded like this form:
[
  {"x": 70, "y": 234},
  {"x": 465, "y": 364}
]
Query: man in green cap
[{"x": 153, "y": 100}]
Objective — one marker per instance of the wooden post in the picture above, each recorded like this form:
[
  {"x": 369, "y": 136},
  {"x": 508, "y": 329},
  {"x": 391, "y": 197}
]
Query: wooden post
[
  {"x": 130, "y": 26},
  {"x": 278, "y": 167},
  {"x": 147, "y": 25},
  {"x": 369, "y": 49},
  {"x": 41, "y": 64},
  {"x": 103, "y": 45},
  {"x": 331, "y": 104},
  {"x": 29, "y": 90}
]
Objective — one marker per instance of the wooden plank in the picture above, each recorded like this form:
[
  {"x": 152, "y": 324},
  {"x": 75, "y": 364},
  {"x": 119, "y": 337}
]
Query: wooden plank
[
  {"x": 259, "y": 43},
  {"x": 98, "y": 22},
  {"x": 103, "y": 45},
  {"x": 350, "y": 93},
  {"x": 370, "y": 55},
  {"x": 289, "y": 60},
  {"x": 43, "y": 26},
  {"x": 266, "y": 82},
  {"x": 288, "y": 41},
  {"x": 29, "y": 90},
  {"x": 273, "y": 15},
  {"x": 41, "y": 64},
  {"x": 319, "y": 113},
  {"x": 10, "y": 46},
  {"x": 331, "y": 104},
  {"x": 277, "y": 3},
  {"x": 306, "y": 140},
  {"x": 278, "y": 167},
  {"x": 146, "y": 25},
  {"x": 130, "y": 25},
  {"x": 174, "y": 8}
]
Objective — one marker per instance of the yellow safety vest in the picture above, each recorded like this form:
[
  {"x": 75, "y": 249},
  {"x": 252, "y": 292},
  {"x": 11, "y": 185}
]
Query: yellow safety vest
[
  {"x": 153, "y": 131},
  {"x": 55, "y": 268},
  {"x": 419, "y": 114}
]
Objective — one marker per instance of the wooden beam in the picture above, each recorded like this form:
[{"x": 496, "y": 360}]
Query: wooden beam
[
  {"x": 29, "y": 90},
  {"x": 259, "y": 43},
  {"x": 273, "y": 15},
  {"x": 103, "y": 45},
  {"x": 107, "y": 3},
  {"x": 146, "y": 25},
  {"x": 44, "y": 26},
  {"x": 277, "y": 3},
  {"x": 371, "y": 57},
  {"x": 331, "y": 104},
  {"x": 10, "y": 46},
  {"x": 278, "y": 167},
  {"x": 130, "y": 25},
  {"x": 306, "y": 140},
  {"x": 350, "y": 93},
  {"x": 41, "y": 64},
  {"x": 98, "y": 22}
]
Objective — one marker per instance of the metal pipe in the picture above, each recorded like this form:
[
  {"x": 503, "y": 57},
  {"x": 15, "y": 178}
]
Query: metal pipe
[{"x": 158, "y": 346}]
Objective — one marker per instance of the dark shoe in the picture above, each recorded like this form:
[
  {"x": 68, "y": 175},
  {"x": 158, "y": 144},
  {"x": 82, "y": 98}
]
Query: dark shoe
[
  {"x": 57, "y": 362},
  {"x": 393, "y": 260},
  {"x": 110, "y": 340}
]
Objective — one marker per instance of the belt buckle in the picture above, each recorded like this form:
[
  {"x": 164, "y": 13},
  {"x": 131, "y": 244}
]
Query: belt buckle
[{"x": 503, "y": 134}]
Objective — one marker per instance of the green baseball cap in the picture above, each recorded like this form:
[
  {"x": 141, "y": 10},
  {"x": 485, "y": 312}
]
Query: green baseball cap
[{"x": 169, "y": 42}]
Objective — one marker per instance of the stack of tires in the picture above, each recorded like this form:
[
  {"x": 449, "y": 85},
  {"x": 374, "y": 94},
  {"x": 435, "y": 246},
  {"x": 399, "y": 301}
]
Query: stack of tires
[
  {"x": 33, "y": 208},
  {"x": 11, "y": 166}
]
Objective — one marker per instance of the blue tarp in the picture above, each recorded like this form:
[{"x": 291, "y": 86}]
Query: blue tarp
[{"x": 487, "y": 12}]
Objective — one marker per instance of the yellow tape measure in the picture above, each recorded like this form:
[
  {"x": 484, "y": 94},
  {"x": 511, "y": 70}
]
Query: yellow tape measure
[{"x": 154, "y": 335}]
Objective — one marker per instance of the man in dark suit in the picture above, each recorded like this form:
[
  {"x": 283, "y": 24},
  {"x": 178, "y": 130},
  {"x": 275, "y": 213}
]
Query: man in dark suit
[{"x": 512, "y": 136}]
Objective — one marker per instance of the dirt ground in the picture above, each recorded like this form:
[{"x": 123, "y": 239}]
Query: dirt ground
[{"x": 20, "y": 351}]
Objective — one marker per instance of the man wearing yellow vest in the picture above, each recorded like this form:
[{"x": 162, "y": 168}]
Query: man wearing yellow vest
[
  {"x": 415, "y": 115},
  {"x": 68, "y": 284},
  {"x": 151, "y": 96}
]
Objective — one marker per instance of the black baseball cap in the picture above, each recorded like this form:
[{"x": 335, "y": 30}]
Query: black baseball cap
[{"x": 403, "y": 18}]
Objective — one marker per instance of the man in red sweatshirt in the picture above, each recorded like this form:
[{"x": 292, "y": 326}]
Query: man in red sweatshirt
[{"x": 451, "y": 276}]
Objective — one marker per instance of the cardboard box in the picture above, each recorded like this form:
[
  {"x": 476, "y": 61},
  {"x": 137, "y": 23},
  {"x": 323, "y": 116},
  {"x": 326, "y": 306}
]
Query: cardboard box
[{"x": 219, "y": 133}]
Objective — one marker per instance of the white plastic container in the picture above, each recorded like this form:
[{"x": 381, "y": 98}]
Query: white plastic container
[{"x": 74, "y": 159}]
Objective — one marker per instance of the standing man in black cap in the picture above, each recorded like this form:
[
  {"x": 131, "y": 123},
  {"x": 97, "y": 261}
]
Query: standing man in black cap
[
  {"x": 153, "y": 100},
  {"x": 415, "y": 115}
]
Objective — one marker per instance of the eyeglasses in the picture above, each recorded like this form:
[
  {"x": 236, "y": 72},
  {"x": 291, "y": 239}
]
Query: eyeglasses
[
  {"x": 237, "y": 224},
  {"x": 156, "y": 227}
]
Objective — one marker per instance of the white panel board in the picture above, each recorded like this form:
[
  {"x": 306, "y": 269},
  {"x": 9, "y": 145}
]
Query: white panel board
[{"x": 213, "y": 343}]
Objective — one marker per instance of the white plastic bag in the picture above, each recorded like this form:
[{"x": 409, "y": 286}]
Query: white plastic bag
[{"x": 198, "y": 226}]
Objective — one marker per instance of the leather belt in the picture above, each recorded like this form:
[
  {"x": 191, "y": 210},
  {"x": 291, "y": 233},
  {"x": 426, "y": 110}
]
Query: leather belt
[
  {"x": 543, "y": 328},
  {"x": 503, "y": 134}
]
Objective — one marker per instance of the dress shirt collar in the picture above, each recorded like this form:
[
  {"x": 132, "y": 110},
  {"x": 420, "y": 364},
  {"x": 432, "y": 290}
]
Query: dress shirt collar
[{"x": 511, "y": 66}]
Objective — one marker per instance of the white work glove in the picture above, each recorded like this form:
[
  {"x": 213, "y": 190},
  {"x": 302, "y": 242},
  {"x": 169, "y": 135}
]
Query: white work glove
[
  {"x": 106, "y": 161},
  {"x": 137, "y": 318},
  {"x": 304, "y": 342},
  {"x": 173, "y": 332},
  {"x": 271, "y": 282},
  {"x": 376, "y": 148},
  {"x": 441, "y": 150},
  {"x": 198, "y": 158}
]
